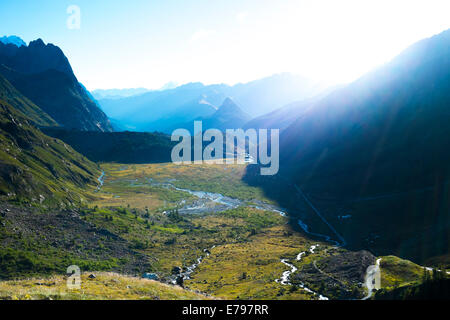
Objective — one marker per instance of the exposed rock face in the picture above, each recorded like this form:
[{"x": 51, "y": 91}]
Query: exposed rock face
[
  {"x": 176, "y": 270},
  {"x": 43, "y": 74},
  {"x": 35, "y": 58}
]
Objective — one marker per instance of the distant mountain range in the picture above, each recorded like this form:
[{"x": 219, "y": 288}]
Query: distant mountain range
[
  {"x": 117, "y": 93},
  {"x": 42, "y": 73},
  {"x": 165, "y": 110},
  {"x": 13, "y": 40}
]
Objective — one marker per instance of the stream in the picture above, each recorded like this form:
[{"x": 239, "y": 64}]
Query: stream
[
  {"x": 209, "y": 202},
  {"x": 216, "y": 202},
  {"x": 187, "y": 271},
  {"x": 100, "y": 180},
  {"x": 284, "y": 280},
  {"x": 372, "y": 278}
]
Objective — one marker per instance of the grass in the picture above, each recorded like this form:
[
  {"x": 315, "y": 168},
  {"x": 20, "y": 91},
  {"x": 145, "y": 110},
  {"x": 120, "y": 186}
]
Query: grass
[
  {"x": 106, "y": 286},
  {"x": 245, "y": 244},
  {"x": 38, "y": 170},
  {"x": 398, "y": 272},
  {"x": 40, "y": 259},
  {"x": 224, "y": 179},
  {"x": 178, "y": 241},
  {"x": 247, "y": 270}
]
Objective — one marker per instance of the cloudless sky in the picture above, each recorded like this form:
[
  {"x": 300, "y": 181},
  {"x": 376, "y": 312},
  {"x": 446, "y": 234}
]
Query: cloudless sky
[{"x": 137, "y": 43}]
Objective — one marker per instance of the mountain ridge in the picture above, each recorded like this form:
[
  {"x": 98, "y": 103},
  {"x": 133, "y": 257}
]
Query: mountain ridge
[
  {"x": 182, "y": 104},
  {"x": 42, "y": 73},
  {"x": 374, "y": 150}
]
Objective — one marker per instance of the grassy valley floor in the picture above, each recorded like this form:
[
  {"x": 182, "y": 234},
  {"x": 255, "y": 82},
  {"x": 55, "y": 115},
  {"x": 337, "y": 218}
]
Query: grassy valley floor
[{"x": 165, "y": 218}]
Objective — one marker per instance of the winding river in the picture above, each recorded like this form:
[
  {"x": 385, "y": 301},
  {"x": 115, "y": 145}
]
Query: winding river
[
  {"x": 284, "y": 280},
  {"x": 216, "y": 202}
]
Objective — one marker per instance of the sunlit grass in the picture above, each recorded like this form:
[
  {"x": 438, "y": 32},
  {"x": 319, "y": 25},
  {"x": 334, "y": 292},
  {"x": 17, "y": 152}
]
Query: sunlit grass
[{"x": 106, "y": 286}]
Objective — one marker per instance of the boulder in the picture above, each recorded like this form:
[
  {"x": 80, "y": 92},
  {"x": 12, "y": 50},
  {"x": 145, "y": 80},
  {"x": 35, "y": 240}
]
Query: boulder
[
  {"x": 176, "y": 270},
  {"x": 151, "y": 276}
]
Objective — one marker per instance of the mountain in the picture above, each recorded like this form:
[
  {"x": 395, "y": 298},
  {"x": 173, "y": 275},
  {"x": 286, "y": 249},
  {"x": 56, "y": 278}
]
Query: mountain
[
  {"x": 394, "y": 115},
  {"x": 265, "y": 95},
  {"x": 117, "y": 93},
  {"x": 33, "y": 166},
  {"x": 283, "y": 117},
  {"x": 376, "y": 152},
  {"x": 280, "y": 118},
  {"x": 42, "y": 73},
  {"x": 165, "y": 110},
  {"x": 228, "y": 116},
  {"x": 12, "y": 40},
  {"x": 35, "y": 58}
]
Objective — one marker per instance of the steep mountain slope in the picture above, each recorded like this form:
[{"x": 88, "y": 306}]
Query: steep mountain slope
[
  {"x": 35, "y": 167},
  {"x": 376, "y": 152},
  {"x": 265, "y": 95},
  {"x": 43, "y": 74},
  {"x": 9, "y": 94},
  {"x": 280, "y": 118},
  {"x": 390, "y": 123},
  {"x": 283, "y": 117}
]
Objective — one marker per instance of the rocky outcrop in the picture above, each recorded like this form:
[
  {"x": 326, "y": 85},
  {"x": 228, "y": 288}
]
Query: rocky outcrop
[{"x": 42, "y": 73}]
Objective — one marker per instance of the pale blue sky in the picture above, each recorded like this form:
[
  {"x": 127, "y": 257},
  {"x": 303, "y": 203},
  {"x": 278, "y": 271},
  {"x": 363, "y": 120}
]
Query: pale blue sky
[{"x": 139, "y": 43}]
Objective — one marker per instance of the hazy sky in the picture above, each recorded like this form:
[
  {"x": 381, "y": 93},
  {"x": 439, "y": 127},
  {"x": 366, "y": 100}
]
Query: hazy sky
[{"x": 137, "y": 43}]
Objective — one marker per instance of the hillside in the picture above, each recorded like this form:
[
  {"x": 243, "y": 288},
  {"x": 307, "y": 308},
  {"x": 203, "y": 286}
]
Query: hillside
[
  {"x": 280, "y": 118},
  {"x": 34, "y": 167},
  {"x": 10, "y": 95},
  {"x": 283, "y": 117},
  {"x": 374, "y": 152},
  {"x": 106, "y": 286}
]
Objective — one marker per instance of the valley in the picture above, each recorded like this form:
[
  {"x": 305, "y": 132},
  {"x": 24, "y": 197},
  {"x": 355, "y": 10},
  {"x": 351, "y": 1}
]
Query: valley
[
  {"x": 356, "y": 207},
  {"x": 198, "y": 226}
]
